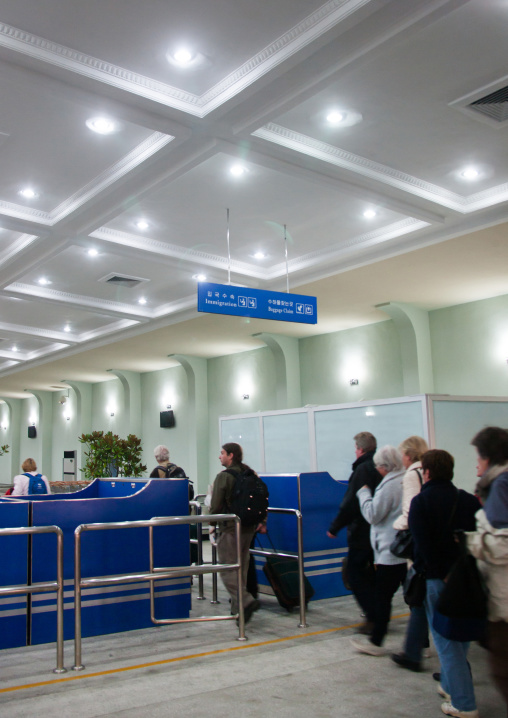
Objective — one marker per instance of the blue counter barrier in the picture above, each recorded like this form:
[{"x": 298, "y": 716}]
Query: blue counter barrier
[
  {"x": 318, "y": 496},
  {"x": 104, "y": 610}
]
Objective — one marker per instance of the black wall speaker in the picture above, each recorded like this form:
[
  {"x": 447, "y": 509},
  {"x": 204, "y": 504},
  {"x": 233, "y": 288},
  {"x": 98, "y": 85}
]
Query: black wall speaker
[
  {"x": 167, "y": 419},
  {"x": 32, "y": 432}
]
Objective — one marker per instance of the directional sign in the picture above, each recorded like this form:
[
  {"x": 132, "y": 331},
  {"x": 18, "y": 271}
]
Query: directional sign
[{"x": 256, "y": 303}]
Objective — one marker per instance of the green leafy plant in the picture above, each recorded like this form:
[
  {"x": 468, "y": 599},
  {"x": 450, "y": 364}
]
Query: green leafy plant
[
  {"x": 4, "y": 449},
  {"x": 108, "y": 453}
]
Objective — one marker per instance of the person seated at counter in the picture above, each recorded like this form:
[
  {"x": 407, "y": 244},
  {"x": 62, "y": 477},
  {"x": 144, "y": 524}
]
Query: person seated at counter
[
  {"x": 166, "y": 470},
  {"x": 30, "y": 482}
]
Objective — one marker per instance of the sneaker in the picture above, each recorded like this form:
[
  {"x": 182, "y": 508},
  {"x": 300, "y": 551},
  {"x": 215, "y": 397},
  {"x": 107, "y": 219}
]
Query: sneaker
[
  {"x": 365, "y": 645},
  {"x": 402, "y": 660},
  {"x": 449, "y": 710},
  {"x": 443, "y": 693}
]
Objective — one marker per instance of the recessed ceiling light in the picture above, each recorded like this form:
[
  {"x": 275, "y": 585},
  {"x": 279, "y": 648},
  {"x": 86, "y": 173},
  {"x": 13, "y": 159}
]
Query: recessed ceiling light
[
  {"x": 67, "y": 328},
  {"x": 183, "y": 56},
  {"x": 142, "y": 224},
  {"x": 259, "y": 255},
  {"x": 141, "y": 300},
  {"x": 92, "y": 252},
  {"x": 470, "y": 173},
  {"x": 335, "y": 117},
  {"x": 28, "y": 193},
  {"x": 14, "y": 348},
  {"x": 237, "y": 170},
  {"x": 369, "y": 214},
  {"x": 101, "y": 125},
  {"x": 199, "y": 277},
  {"x": 44, "y": 281}
]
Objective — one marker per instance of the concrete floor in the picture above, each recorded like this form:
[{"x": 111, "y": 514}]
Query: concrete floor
[{"x": 200, "y": 669}]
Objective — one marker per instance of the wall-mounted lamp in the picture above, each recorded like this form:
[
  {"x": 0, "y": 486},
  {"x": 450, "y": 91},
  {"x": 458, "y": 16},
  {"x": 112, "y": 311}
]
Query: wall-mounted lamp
[
  {"x": 245, "y": 396},
  {"x": 354, "y": 382},
  {"x": 168, "y": 406},
  {"x": 112, "y": 413}
]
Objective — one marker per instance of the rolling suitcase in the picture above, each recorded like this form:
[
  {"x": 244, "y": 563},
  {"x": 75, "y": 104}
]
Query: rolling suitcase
[{"x": 282, "y": 575}]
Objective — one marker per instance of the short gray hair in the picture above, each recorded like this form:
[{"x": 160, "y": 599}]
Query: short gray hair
[
  {"x": 161, "y": 453},
  {"x": 389, "y": 457}
]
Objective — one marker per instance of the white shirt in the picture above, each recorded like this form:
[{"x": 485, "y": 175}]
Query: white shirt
[{"x": 22, "y": 482}]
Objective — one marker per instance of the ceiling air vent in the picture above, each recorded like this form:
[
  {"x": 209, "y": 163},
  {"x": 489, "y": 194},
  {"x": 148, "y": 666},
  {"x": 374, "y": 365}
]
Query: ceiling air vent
[
  {"x": 123, "y": 280},
  {"x": 494, "y": 105}
]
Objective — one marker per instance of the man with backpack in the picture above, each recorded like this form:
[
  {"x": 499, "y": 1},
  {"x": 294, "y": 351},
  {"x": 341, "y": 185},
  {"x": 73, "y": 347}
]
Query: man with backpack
[
  {"x": 30, "y": 482},
  {"x": 237, "y": 489},
  {"x": 167, "y": 470}
]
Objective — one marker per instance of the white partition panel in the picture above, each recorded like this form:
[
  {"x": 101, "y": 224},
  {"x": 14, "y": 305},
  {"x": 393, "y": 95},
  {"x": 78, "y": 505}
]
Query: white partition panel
[
  {"x": 456, "y": 421},
  {"x": 245, "y": 431},
  {"x": 286, "y": 443},
  {"x": 390, "y": 424}
]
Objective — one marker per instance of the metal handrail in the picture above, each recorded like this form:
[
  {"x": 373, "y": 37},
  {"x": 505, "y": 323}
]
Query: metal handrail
[
  {"x": 301, "y": 576},
  {"x": 46, "y": 585},
  {"x": 214, "y": 600},
  {"x": 155, "y": 574}
]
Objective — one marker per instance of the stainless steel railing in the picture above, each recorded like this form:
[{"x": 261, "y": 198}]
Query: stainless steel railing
[
  {"x": 155, "y": 574},
  {"x": 199, "y": 543},
  {"x": 214, "y": 600},
  {"x": 299, "y": 556},
  {"x": 46, "y": 585}
]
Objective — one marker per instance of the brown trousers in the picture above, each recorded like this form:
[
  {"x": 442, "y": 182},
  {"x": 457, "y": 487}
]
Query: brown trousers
[{"x": 226, "y": 550}]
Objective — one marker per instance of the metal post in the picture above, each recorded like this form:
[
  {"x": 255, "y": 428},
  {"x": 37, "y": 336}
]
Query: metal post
[
  {"x": 241, "y": 617},
  {"x": 301, "y": 575},
  {"x": 214, "y": 575},
  {"x": 78, "y": 666},
  {"x": 59, "y": 605},
  {"x": 201, "y": 595}
]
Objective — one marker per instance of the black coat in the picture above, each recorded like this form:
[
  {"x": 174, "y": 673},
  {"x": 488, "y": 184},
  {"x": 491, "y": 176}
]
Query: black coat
[
  {"x": 358, "y": 530},
  {"x": 432, "y": 525}
]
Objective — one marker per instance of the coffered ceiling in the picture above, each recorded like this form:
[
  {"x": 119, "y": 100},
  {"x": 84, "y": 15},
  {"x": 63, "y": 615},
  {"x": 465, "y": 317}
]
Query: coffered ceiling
[{"x": 258, "y": 91}]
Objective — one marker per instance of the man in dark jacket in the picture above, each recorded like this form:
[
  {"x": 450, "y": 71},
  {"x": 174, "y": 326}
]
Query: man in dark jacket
[
  {"x": 360, "y": 559},
  {"x": 436, "y": 512}
]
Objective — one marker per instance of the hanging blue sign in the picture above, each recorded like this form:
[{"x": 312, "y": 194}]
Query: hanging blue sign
[{"x": 256, "y": 303}]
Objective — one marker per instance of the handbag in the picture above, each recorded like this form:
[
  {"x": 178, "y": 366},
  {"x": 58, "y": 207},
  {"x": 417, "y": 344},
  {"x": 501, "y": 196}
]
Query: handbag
[
  {"x": 414, "y": 588},
  {"x": 402, "y": 544},
  {"x": 461, "y": 610}
]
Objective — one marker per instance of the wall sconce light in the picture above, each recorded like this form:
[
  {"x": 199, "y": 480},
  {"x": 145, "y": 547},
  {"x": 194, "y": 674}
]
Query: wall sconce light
[
  {"x": 168, "y": 406},
  {"x": 112, "y": 413},
  {"x": 354, "y": 382},
  {"x": 245, "y": 396}
]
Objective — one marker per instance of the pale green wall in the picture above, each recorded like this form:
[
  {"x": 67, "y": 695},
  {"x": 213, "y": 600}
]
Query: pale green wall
[
  {"x": 158, "y": 389},
  {"x": 470, "y": 348},
  {"x": 229, "y": 377},
  {"x": 370, "y": 354}
]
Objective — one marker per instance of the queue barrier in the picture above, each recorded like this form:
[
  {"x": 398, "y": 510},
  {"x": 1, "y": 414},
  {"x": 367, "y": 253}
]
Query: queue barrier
[
  {"x": 199, "y": 542},
  {"x": 155, "y": 574},
  {"x": 45, "y": 585},
  {"x": 299, "y": 556}
]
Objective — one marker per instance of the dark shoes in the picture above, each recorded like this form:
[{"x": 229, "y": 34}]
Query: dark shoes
[
  {"x": 249, "y": 610},
  {"x": 404, "y": 662}
]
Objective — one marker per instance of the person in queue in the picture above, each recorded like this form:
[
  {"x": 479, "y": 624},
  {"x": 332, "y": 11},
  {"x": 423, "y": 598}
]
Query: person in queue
[
  {"x": 380, "y": 509},
  {"x": 167, "y": 470},
  {"x": 436, "y": 513},
  {"x": 489, "y": 544},
  {"x": 231, "y": 458},
  {"x": 360, "y": 558},
  {"x": 30, "y": 481},
  {"x": 417, "y": 633}
]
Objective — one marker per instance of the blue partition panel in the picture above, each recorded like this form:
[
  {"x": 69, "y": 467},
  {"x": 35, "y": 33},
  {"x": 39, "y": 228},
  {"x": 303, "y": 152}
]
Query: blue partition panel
[
  {"x": 104, "y": 553},
  {"x": 318, "y": 497},
  {"x": 13, "y": 571}
]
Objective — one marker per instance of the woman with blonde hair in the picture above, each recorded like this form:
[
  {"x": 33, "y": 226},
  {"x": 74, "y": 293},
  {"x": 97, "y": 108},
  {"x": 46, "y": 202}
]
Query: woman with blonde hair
[
  {"x": 417, "y": 634},
  {"x": 30, "y": 482}
]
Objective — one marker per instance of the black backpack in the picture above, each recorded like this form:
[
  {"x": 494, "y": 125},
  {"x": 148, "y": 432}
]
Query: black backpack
[{"x": 249, "y": 499}]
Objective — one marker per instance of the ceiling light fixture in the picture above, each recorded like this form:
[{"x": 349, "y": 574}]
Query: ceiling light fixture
[
  {"x": 470, "y": 173},
  {"x": 14, "y": 348},
  {"x": 259, "y": 255},
  {"x": 335, "y": 117},
  {"x": 369, "y": 214},
  {"x": 237, "y": 170},
  {"x": 43, "y": 281},
  {"x": 199, "y": 277},
  {"x": 28, "y": 193},
  {"x": 101, "y": 125},
  {"x": 141, "y": 300},
  {"x": 92, "y": 252},
  {"x": 142, "y": 224},
  {"x": 67, "y": 328},
  {"x": 183, "y": 57}
]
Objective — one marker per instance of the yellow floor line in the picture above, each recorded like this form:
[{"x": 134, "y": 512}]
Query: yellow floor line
[{"x": 80, "y": 676}]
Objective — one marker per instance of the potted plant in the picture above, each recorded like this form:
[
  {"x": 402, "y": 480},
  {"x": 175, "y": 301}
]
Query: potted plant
[{"x": 108, "y": 455}]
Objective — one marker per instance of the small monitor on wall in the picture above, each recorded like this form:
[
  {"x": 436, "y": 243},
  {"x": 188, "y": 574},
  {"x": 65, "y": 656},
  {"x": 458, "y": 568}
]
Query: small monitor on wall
[{"x": 167, "y": 419}]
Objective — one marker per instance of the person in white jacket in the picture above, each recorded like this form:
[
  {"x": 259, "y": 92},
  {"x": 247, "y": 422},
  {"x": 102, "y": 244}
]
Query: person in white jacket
[
  {"x": 22, "y": 481},
  {"x": 380, "y": 511}
]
